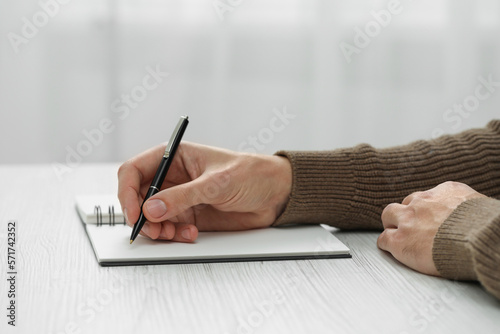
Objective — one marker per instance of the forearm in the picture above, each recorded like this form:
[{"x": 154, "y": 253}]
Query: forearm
[{"x": 349, "y": 188}]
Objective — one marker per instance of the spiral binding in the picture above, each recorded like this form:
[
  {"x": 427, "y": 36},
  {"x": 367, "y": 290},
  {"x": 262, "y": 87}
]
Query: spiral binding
[
  {"x": 98, "y": 214},
  {"x": 111, "y": 215}
]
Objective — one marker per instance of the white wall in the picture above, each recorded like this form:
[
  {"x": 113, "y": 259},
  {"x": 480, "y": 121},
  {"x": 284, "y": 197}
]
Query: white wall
[{"x": 230, "y": 74}]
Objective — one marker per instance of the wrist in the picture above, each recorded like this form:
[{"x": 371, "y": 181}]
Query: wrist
[
  {"x": 272, "y": 183},
  {"x": 283, "y": 176}
]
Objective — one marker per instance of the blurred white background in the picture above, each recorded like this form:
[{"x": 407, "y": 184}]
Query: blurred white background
[{"x": 67, "y": 67}]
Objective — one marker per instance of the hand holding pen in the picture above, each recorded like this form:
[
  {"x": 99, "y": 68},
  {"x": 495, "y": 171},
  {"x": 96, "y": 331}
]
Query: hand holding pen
[
  {"x": 206, "y": 189},
  {"x": 162, "y": 170}
]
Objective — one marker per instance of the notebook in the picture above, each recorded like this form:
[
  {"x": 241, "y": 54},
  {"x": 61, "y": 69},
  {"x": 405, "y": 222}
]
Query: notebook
[{"x": 110, "y": 239}]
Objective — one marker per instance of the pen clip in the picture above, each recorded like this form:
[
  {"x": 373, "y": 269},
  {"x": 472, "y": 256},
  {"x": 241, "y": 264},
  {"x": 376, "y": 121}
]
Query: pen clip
[{"x": 175, "y": 134}]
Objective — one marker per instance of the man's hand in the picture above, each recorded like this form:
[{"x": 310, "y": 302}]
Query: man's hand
[
  {"x": 206, "y": 189},
  {"x": 410, "y": 227}
]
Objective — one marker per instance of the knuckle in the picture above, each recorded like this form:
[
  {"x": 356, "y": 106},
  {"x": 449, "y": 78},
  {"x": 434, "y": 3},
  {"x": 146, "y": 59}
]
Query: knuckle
[
  {"x": 389, "y": 210},
  {"x": 410, "y": 198},
  {"x": 392, "y": 207},
  {"x": 408, "y": 214},
  {"x": 383, "y": 237},
  {"x": 381, "y": 240},
  {"x": 124, "y": 167},
  {"x": 451, "y": 184},
  {"x": 419, "y": 194},
  {"x": 455, "y": 186},
  {"x": 428, "y": 194}
]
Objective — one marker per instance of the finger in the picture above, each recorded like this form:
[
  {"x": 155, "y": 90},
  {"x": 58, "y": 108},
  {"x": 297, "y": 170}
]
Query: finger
[
  {"x": 386, "y": 239},
  {"x": 408, "y": 199},
  {"x": 173, "y": 201},
  {"x": 131, "y": 175},
  {"x": 135, "y": 175},
  {"x": 147, "y": 162},
  {"x": 391, "y": 215},
  {"x": 394, "y": 242},
  {"x": 129, "y": 195},
  {"x": 166, "y": 230},
  {"x": 151, "y": 230},
  {"x": 141, "y": 168},
  {"x": 180, "y": 232}
]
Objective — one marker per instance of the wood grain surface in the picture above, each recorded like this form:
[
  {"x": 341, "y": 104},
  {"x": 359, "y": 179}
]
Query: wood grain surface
[{"x": 60, "y": 288}]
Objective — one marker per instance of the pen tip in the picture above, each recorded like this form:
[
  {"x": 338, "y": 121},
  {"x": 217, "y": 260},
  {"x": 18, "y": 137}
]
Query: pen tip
[{"x": 131, "y": 241}]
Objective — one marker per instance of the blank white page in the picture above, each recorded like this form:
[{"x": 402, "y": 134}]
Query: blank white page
[{"x": 112, "y": 246}]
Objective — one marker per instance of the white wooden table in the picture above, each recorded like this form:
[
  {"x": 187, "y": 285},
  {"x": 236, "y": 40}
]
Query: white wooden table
[{"x": 60, "y": 288}]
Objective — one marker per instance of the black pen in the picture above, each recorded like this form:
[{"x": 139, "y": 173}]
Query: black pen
[{"x": 161, "y": 172}]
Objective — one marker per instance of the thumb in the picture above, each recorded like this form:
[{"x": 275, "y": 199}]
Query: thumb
[{"x": 173, "y": 201}]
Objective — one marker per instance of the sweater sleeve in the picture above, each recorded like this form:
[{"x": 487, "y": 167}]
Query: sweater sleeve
[
  {"x": 467, "y": 245},
  {"x": 349, "y": 188}
]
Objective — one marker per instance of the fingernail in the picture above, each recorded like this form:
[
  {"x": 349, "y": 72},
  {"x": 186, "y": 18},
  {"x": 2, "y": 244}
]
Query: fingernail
[
  {"x": 156, "y": 208},
  {"x": 186, "y": 234},
  {"x": 145, "y": 228}
]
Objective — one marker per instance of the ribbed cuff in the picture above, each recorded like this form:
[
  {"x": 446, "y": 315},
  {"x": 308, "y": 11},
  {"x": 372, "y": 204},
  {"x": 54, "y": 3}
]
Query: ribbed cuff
[
  {"x": 464, "y": 238},
  {"x": 324, "y": 189},
  {"x": 312, "y": 200}
]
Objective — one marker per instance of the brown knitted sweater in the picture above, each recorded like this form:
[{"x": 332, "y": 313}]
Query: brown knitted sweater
[{"x": 349, "y": 188}]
